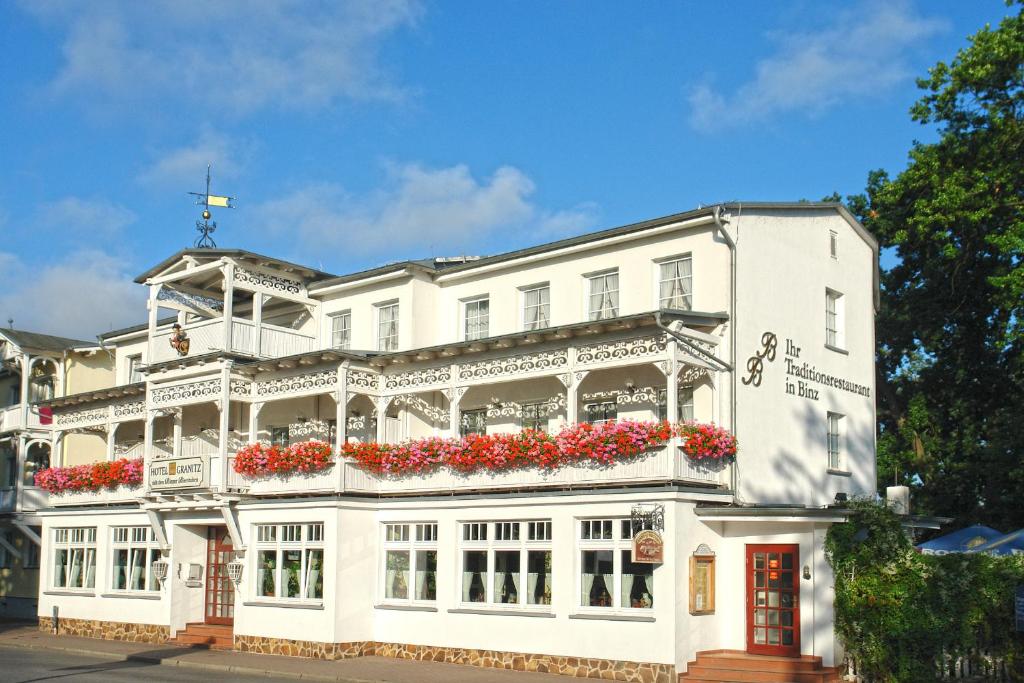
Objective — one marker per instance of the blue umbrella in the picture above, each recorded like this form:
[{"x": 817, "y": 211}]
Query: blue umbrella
[
  {"x": 962, "y": 541},
  {"x": 1010, "y": 544}
]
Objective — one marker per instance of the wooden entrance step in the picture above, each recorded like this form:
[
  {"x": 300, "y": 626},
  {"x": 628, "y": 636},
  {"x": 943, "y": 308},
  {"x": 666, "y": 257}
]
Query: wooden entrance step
[
  {"x": 212, "y": 636},
  {"x": 728, "y": 666}
]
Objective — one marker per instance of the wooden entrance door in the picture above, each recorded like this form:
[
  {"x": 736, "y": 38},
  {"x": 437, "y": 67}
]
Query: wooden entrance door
[
  {"x": 220, "y": 592},
  {"x": 773, "y": 600}
]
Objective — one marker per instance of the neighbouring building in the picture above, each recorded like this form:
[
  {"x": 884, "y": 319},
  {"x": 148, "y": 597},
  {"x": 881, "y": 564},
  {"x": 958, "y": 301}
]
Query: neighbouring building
[{"x": 757, "y": 317}]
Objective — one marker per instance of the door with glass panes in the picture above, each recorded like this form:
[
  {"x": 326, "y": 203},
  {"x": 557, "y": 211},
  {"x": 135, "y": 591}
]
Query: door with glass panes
[
  {"x": 773, "y": 600},
  {"x": 220, "y": 591}
]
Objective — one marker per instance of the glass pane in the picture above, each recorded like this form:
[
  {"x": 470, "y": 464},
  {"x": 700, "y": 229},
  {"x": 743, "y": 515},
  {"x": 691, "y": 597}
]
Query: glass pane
[
  {"x": 760, "y": 616},
  {"x": 760, "y": 638},
  {"x": 773, "y": 618},
  {"x": 426, "y": 575},
  {"x": 787, "y": 637},
  {"x": 137, "y": 580},
  {"x": 291, "y": 562},
  {"x": 787, "y": 618},
  {"x": 758, "y": 560},
  {"x": 396, "y": 575},
  {"x": 314, "y": 574},
  {"x": 598, "y": 576},
  {"x": 773, "y": 598},
  {"x": 506, "y": 576},
  {"x": 90, "y": 567},
  {"x": 120, "y": 569},
  {"x": 151, "y": 582},
  {"x": 266, "y": 573},
  {"x": 773, "y": 637},
  {"x": 538, "y": 579},
  {"x": 474, "y": 573},
  {"x": 637, "y": 583},
  {"x": 60, "y": 566},
  {"x": 787, "y": 560}
]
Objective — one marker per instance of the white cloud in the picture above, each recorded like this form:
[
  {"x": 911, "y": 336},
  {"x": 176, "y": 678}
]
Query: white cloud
[
  {"x": 863, "y": 53},
  {"x": 84, "y": 217},
  {"x": 232, "y": 53},
  {"x": 86, "y": 293},
  {"x": 419, "y": 211},
  {"x": 186, "y": 166}
]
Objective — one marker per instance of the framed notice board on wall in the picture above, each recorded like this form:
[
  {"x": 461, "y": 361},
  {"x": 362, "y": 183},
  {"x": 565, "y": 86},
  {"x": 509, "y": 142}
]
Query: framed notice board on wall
[{"x": 702, "y": 584}]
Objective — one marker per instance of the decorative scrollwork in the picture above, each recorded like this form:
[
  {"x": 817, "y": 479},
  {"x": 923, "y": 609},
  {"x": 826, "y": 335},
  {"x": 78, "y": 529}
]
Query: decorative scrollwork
[
  {"x": 418, "y": 378},
  {"x": 274, "y": 283},
  {"x": 192, "y": 392},
  {"x": 514, "y": 365},
  {"x": 637, "y": 347},
  {"x": 240, "y": 388},
  {"x": 691, "y": 374},
  {"x": 80, "y": 418},
  {"x": 123, "y": 411},
  {"x": 361, "y": 380},
  {"x": 316, "y": 381},
  {"x": 419, "y": 405}
]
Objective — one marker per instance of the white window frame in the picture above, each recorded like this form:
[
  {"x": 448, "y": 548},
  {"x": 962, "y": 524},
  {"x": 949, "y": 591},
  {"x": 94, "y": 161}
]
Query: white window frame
[
  {"x": 464, "y": 414},
  {"x": 604, "y": 402},
  {"x": 602, "y": 313},
  {"x": 834, "y": 440},
  {"x": 833, "y": 244},
  {"x": 341, "y": 338},
  {"x": 658, "y": 279},
  {"x": 544, "y": 320},
  {"x": 531, "y": 535},
  {"x": 73, "y": 539},
  {"x": 417, "y": 539},
  {"x": 387, "y": 343},
  {"x": 131, "y": 539},
  {"x": 543, "y": 406},
  {"x": 479, "y": 325},
  {"x": 621, "y": 541},
  {"x": 684, "y": 404},
  {"x": 134, "y": 362},
  {"x": 835, "y": 319},
  {"x": 280, "y": 538}
]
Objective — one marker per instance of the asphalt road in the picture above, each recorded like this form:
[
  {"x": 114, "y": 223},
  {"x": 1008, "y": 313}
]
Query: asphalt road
[{"x": 19, "y": 665}]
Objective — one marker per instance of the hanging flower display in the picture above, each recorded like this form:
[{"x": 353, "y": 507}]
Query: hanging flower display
[
  {"x": 257, "y": 460},
  {"x": 91, "y": 477},
  {"x": 707, "y": 441}
]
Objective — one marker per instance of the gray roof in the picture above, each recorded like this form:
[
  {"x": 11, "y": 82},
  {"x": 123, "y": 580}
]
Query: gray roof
[
  {"x": 238, "y": 253},
  {"x": 42, "y": 342}
]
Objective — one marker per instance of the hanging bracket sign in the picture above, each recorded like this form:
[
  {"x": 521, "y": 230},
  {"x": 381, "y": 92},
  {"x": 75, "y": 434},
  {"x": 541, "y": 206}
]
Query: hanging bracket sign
[
  {"x": 648, "y": 548},
  {"x": 178, "y": 473}
]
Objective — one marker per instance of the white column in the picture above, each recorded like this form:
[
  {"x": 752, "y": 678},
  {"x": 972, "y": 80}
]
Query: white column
[
  {"x": 111, "y": 439},
  {"x": 147, "y": 448},
  {"x": 225, "y": 421},
  {"x": 341, "y": 409},
  {"x": 56, "y": 446},
  {"x": 176, "y": 431},
  {"x": 154, "y": 310},
  {"x": 672, "y": 383},
  {"x": 229, "y": 302},
  {"x": 19, "y": 484},
  {"x": 257, "y": 324},
  {"x": 254, "y": 421},
  {"x": 26, "y": 370},
  {"x": 455, "y": 395},
  {"x": 382, "y": 404}
]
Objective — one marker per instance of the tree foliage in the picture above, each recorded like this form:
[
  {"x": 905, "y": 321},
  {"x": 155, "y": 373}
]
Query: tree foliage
[{"x": 951, "y": 376}]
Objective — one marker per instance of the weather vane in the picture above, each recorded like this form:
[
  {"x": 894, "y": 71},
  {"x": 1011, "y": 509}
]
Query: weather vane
[{"x": 206, "y": 227}]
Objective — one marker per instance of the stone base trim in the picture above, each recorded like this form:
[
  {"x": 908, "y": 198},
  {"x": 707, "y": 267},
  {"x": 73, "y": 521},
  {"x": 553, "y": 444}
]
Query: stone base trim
[
  {"x": 108, "y": 630},
  {"x": 580, "y": 667}
]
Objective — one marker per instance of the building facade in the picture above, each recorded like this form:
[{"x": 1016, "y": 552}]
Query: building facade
[{"x": 757, "y": 317}]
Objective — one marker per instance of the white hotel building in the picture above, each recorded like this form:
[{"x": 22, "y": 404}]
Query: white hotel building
[{"x": 758, "y": 317}]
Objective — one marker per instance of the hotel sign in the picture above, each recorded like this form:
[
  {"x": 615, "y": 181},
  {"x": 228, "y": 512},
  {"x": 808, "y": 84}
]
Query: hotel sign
[
  {"x": 179, "y": 473},
  {"x": 648, "y": 548}
]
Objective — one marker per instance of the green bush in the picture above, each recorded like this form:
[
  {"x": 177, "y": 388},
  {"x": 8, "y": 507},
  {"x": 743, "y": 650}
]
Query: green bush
[{"x": 902, "y": 615}]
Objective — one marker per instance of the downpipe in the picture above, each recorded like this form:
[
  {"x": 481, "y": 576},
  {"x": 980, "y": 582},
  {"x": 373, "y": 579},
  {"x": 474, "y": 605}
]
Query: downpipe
[{"x": 716, "y": 216}]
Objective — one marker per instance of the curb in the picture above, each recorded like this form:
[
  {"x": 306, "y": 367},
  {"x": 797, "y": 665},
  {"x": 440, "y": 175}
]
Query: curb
[{"x": 174, "y": 661}]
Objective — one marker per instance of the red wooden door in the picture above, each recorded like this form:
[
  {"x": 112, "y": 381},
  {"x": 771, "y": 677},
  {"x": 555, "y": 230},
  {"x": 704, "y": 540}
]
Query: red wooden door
[
  {"x": 220, "y": 592},
  {"x": 773, "y": 600}
]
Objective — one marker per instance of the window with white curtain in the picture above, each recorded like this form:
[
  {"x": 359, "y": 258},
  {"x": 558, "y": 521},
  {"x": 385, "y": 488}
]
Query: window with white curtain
[
  {"x": 289, "y": 561},
  {"x": 834, "y": 454},
  {"x": 534, "y": 416},
  {"x": 341, "y": 330},
  {"x": 134, "y": 552},
  {"x": 134, "y": 371},
  {"x": 387, "y": 327},
  {"x": 506, "y": 563},
  {"x": 684, "y": 404},
  {"x": 600, "y": 412},
  {"x": 473, "y": 422},
  {"x": 476, "y": 318},
  {"x": 74, "y": 557},
  {"x": 675, "y": 283},
  {"x": 608, "y": 577},
  {"x": 536, "y": 307},
  {"x": 603, "y": 296},
  {"x": 410, "y": 562}
]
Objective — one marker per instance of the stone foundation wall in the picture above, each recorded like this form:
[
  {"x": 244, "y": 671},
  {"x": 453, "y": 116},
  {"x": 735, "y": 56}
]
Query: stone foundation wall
[
  {"x": 108, "y": 630},
  {"x": 580, "y": 667}
]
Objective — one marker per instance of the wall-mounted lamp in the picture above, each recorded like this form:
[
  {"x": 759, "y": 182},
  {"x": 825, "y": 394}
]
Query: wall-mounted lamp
[{"x": 807, "y": 571}]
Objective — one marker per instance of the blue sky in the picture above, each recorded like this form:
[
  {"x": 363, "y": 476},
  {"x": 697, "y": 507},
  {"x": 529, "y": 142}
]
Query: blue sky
[{"x": 359, "y": 133}]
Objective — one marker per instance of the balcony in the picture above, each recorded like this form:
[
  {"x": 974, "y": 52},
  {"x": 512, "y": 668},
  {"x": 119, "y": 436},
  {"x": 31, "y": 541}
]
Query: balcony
[
  {"x": 11, "y": 419},
  {"x": 119, "y": 495},
  {"x": 263, "y": 341}
]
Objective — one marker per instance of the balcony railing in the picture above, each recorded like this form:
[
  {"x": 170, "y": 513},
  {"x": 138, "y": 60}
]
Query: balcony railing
[
  {"x": 264, "y": 341},
  {"x": 11, "y": 418}
]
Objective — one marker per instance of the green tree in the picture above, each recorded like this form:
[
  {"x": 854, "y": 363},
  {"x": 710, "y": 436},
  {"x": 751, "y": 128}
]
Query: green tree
[{"x": 951, "y": 377}]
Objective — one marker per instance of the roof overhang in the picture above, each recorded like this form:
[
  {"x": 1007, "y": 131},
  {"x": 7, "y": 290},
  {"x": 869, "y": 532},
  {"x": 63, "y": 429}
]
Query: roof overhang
[{"x": 122, "y": 391}]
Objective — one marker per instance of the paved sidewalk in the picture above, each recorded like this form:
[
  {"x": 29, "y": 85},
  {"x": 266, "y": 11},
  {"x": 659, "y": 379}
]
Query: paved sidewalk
[{"x": 359, "y": 670}]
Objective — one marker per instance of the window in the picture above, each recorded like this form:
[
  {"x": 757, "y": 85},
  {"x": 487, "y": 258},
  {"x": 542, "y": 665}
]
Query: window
[
  {"x": 684, "y": 404},
  {"x": 74, "y": 557},
  {"x": 476, "y": 314},
  {"x": 387, "y": 327},
  {"x": 675, "y": 283},
  {"x": 608, "y": 576},
  {"x": 279, "y": 436},
  {"x": 135, "y": 551},
  {"x": 134, "y": 373},
  {"x": 601, "y": 412},
  {"x": 834, "y": 452},
  {"x": 536, "y": 307},
  {"x": 473, "y": 422},
  {"x": 833, "y": 244},
  {"x": 604, "y": 296},
  {"x": 290, "y": 561},
  {"x": 37, "y": 458},
  {"x": 534, "y": 416},
  {"x": 6, "y": 558},
  {"x": 833, "y": 319},
  {"x": 410, "y": 562},
  {"x": 511, "y": 566},
  {"x": 31, "y": 557},
  {"x": 341, "y": 330}
]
